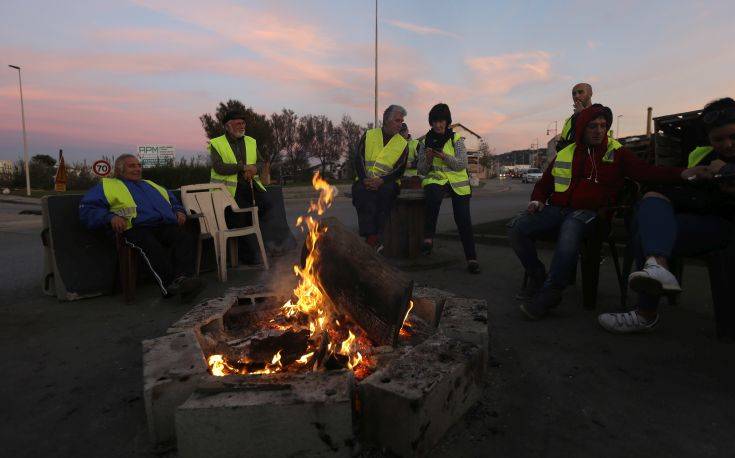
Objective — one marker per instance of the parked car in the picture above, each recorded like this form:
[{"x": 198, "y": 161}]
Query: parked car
[{"x": 531, "y": 176}]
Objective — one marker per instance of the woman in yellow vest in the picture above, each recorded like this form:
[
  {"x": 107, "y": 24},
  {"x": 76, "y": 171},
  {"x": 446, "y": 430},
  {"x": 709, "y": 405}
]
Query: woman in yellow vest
[
  {"x": 442, "y": 160},
  {"x": 380, "y": 160},
  {"x": 234, "y": 157},
  {"x": 681, "y": 221}
]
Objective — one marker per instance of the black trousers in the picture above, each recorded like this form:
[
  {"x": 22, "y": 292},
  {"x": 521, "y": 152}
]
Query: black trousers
[
  {"x": 168, "y": 251},
  {"x": 434, "y": 194},
  {"x": 373, "y": 207},
  {"x": 247, "y": 248}
]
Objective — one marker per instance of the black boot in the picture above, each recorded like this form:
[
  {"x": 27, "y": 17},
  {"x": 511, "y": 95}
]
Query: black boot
[
  {"x": 533, "y": 285},
  {"x": 548, "y": 298}
]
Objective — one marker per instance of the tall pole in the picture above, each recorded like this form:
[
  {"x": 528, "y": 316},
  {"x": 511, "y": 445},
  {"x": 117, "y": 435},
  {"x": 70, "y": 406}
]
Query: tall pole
[
  {"x": 376, "y": 65},
  {"x": 617, "y": 128},
  {"x": 25, "y": 141}
]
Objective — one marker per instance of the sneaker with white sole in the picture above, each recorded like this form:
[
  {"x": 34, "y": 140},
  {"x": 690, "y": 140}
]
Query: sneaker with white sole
[
  {"x": 653, "y": 279},
  {"x": 626, "y": 322}
]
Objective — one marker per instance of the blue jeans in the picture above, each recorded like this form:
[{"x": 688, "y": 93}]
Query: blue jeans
[
  {"x": 659, "y": 231},
  {"x": 569, "y": 226}
]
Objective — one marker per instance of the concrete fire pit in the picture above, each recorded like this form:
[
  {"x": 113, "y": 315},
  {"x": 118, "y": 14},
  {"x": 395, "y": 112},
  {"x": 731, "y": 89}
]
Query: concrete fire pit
[{"x": 414, "y": 396}]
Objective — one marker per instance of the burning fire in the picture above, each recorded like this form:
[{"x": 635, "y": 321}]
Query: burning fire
[{"x": 309, "y": 310}]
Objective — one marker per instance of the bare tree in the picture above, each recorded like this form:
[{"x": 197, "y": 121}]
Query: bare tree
[
  {"x": 351, "y": 133},
  {"x": 284, "y": 126},
  {"x": 317, "y": 136}
]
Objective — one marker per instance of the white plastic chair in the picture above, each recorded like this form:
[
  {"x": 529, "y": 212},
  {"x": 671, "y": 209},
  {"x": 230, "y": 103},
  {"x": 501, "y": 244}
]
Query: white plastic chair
[{"x": 211, "y": 200}]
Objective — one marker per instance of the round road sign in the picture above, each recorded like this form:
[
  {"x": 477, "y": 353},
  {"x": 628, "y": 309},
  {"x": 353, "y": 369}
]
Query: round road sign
[{"x": 101, "y": 168}]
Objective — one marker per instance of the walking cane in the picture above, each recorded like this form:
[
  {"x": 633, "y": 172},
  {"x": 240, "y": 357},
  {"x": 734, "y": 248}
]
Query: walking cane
[{"x": 252, "y": 192}]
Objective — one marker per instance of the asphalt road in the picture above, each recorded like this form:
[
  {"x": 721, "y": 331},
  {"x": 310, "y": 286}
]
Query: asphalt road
[{"x": 561, "y": 387}]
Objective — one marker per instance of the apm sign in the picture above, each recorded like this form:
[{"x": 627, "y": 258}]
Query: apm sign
[{"x": 153, "y": 155}]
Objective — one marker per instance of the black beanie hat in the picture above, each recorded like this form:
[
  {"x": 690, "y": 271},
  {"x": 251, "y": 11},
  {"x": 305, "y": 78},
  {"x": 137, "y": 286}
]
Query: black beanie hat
[
  {"x": 439, "y": 112},
  {"x": 233, "y": 114}
]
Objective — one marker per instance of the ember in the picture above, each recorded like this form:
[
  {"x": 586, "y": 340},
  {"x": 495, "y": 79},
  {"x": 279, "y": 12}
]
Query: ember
[{"x": 331, "y": 340}]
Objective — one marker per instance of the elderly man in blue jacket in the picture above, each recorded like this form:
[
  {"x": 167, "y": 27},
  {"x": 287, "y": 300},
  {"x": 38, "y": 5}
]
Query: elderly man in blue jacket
[{"x": 149, "y": 219}]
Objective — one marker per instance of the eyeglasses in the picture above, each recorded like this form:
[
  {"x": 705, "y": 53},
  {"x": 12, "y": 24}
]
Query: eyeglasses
[{"x": 724, "y": 115}]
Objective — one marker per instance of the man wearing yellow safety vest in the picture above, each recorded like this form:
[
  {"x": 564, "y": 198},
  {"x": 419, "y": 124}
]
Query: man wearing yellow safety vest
[
  {"x": 687, "y": 220},
  {"x": 235, "y": 160},
  {"x": 583, "y": 178},
  {"x": 380, "y": 160},
  {"x": 443, "y": 163},
  {"x": 149, "y": 219},
  {"x": 581, "y": 99}
]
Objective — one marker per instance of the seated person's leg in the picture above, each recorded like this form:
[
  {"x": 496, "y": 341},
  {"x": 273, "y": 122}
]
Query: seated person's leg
[
  {"x": 522, "y": 232},
  {"x": 657, "y": 230},
  {"x": 366, "y": 204},
  {"x": 154, "y": 254},
  {"x": 463, "y": 220},
  {"x": 183, "y": 249},
  {"x": 433, "y": 196},
  {"x": 263, "y": 203},
  {"x": 387, "y": 193},
  {"x": 575, "y": 225}
]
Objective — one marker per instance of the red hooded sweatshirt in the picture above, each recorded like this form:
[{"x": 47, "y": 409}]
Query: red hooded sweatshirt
[{"x": 596, "y": 183}]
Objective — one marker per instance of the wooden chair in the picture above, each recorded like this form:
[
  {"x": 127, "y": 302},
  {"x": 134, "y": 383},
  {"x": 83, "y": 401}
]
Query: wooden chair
[{"x": 210, "y": 200}]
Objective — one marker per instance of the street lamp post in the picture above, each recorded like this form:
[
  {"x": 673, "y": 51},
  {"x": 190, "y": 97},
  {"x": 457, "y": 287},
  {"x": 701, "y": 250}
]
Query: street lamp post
[
  {"x": 376, "y": 66},
  {"x": 617, "y": 127},
  {"x": 25, "y": 141}
]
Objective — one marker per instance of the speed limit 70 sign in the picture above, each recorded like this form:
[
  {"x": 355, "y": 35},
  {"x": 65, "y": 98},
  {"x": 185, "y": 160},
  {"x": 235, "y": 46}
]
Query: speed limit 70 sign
[{"x": 101, "y": 168}]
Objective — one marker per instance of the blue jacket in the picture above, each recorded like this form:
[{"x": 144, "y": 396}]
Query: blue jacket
[{"x": 153, "y": 210}]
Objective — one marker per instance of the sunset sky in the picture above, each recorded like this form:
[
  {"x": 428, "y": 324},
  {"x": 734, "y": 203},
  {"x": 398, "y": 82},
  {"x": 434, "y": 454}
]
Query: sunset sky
[{"x": 101, "y": 77}]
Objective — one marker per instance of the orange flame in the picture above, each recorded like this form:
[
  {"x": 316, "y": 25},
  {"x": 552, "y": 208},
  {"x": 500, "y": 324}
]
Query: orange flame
[{"x": 308, "y": 299}]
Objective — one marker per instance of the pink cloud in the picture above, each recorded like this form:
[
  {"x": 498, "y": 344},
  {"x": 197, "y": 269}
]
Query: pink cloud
[
  {"x": 499, "y": 74},
  {"x": 420, "y": 29}
]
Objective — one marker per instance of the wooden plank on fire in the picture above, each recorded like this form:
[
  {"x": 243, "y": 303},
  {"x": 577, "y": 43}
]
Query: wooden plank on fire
[{"x": 360, "y": 283}]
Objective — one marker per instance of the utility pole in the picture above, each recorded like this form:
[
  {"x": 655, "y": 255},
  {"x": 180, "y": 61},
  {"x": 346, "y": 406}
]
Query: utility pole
[
  {"x": 25, "y": 141},
  {"x": 376, "y": 65}
]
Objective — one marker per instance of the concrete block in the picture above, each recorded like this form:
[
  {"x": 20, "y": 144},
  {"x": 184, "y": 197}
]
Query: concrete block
[
  {"x": 428, "y": 303},
  {"x": 409, "y": 405},
  {"x": 466, "y": 320},
  {"x": 270, "y": 416},
  {"x": 173, "y": 365},
  {"x": 205, "y": 314}
]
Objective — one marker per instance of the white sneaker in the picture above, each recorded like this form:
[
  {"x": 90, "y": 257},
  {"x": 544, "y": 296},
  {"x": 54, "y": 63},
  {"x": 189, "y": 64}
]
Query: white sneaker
[
  {"x": 653, "y": 279},
  {"x": 626, "y": 322}
]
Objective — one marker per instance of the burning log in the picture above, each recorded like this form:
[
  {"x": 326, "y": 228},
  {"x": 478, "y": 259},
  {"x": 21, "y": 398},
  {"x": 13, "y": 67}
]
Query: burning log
[{"x": 359, "y": 282}]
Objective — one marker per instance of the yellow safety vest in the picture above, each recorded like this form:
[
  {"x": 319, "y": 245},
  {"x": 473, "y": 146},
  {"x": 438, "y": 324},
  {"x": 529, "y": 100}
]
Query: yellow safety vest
[
  {"x": 697, "y": 154},
  {"x": 381, "y": 159},
  {"x": 410, "y": 163},
  {"x": 566, "y": 129},
  {"x": 441, "y": 174},
  {"x": 121, "y": 201},
  {"x": 223, "y": 148},
  {"x": 562, "y": 171}
]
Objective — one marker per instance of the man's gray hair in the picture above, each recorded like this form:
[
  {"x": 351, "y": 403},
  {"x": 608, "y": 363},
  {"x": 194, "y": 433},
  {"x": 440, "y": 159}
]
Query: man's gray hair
[
  {"x": 120, "y": 163},
  {"x": 388, "y": 113}
]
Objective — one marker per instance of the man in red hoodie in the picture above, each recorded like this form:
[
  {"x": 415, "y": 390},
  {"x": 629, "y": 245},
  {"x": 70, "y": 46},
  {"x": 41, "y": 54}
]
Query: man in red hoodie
[{"x": 584, "y": 176}]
